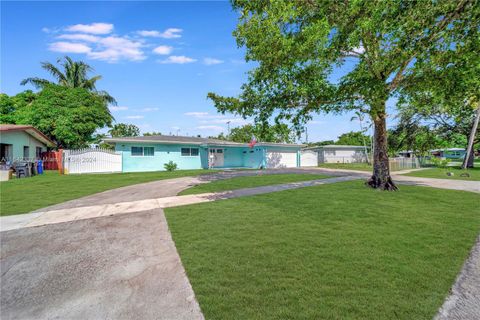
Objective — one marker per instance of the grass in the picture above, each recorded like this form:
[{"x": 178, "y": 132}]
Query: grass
[
  {"x": 441, "y": 173},
  {"x": 24, "y": 195},
  {"x": 338, "y": 251},
  {"x": 347, "y": 166},
  {"x": 250, "y": 182}
]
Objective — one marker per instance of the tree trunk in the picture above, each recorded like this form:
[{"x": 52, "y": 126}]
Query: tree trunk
[
  {"x": 468, "y": 161},
  {"x": 381, "y": 172}
]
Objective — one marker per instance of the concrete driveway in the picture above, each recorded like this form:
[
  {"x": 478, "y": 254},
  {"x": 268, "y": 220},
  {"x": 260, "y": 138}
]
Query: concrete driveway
[{"x": 121, "y": 267}]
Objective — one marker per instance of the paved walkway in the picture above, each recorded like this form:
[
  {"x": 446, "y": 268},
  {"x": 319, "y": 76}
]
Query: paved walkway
[
  {"x": 121, "y": 267},
  {"x": 464, "y": 300}
]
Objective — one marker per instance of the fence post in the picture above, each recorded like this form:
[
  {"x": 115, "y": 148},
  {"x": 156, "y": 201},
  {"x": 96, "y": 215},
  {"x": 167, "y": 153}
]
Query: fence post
[{"x": 59, "y": 160}]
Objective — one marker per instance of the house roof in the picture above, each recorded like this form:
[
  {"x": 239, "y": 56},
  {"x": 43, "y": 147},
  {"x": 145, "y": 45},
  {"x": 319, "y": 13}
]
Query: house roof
[
  {"x": 191, "y": 140},
  {"x": 448, "y": 149},
  {"x": 336, "y": 146},
  {"x": 37, "y": 134}
]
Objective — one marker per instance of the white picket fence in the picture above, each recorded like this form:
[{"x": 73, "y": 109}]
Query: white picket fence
[{"x": 91, "y": 160}]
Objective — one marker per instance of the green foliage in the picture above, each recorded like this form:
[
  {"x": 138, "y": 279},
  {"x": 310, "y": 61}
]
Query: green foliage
[
  {"x": 170, "y": 166},
  {"x": 124, "y": 130},
  {"x": 440, "y": 163},
  {"x": 68, "y": 116},
  {"x": 153, "y": 133},
  {"x": 353, "y": 139},
  {"x": 73, "y": 75},
  {"x": 321, "y": 143},
  {"x": 264, "y": 133},
  {"x": 9, "y": 105},
  {"x": 301, "y": 45}
]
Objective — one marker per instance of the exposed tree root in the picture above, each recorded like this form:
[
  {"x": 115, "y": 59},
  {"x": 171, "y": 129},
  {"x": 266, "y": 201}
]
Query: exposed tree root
[{"x": 386, "y": 184}]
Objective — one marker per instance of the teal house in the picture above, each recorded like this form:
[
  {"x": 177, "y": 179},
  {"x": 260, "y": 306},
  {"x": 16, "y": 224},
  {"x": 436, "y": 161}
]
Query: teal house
[
  {"x": 150, "y": 153},
  {"x": 22, "y": 142}
]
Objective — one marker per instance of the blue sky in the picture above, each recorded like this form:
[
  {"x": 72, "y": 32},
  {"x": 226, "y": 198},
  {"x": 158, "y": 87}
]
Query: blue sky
[{"x": 158, "y": 59}]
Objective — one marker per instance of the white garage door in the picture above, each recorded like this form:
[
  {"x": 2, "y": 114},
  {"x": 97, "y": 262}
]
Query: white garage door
[
  {"x": 308, "y": 158},
  {"x": 281, "y": 159}
]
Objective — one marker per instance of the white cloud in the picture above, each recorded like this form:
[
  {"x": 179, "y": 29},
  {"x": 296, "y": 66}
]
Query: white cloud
[
  {"x": 46, "y": 30},
  {"x": 214, "y": 128},
  {"x": 178, "y": 60},
  {"x": 134, "y": 117},
  {"x": 117, "y": 108},
  {"x": 212, "y": 61},
  {"x": 163, "y": 50},
  {"x": 149, "y": 109},
  {"x": 113, "y": 49},
  {"x": 69, "y": 47},
  {"x": 175, "y": 128},
  {"x": 94, "y": 28},
  {"x": 80, "y": 37},
  {"x": 196, "y": 114},
  {"x": 170, "y": 33},
  {"x": 148, "y": 33},
  {"x": 204, "y": 115}
]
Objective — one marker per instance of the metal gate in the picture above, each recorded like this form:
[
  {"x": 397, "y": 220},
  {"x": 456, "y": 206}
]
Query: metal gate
[{"x": 91, "y": 161}]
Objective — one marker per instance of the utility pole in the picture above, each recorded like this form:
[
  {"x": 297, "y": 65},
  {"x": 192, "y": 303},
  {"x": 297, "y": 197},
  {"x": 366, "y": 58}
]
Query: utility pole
[{"x": 306, "y": 134}]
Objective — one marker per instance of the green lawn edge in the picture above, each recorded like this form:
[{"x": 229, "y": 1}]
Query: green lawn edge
[
  {"x": 337, "y": 251},
  {"x": 27, "y": 194}
]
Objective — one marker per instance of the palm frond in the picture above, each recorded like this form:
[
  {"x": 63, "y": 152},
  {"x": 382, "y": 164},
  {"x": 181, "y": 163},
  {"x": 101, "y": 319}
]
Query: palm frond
[
  {"x": 107, "y": 97},
  {"x": 54, "y": 71},
  {"x": 38, "y": 83}
]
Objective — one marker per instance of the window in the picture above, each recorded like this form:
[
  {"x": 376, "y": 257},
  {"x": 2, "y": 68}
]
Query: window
[
  {"x": 190, "y": 152},
  {"x": 26, "y": 152},
  {"x": 137, "y": 151},
  {"x": 219, "y": 150},
  {"x": 329, "y": 152},
  {"x": 38, "y": 152},
  {"x": 148, "y": 151},
  {"x": 143, "y": 151}
]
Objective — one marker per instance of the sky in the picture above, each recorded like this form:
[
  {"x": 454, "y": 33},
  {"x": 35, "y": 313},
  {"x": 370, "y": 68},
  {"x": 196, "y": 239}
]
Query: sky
[{"x": 158, "y": 59}]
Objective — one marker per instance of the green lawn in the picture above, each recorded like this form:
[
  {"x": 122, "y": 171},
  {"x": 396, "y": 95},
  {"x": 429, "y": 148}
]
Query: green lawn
[
  {"x": 442, "y": 173},
  {"x": 339, "y": 251},
  {"x": 25, "y": 195},
  {"x": 347, "y": 166},
  {"x": 250, "y": 182}
]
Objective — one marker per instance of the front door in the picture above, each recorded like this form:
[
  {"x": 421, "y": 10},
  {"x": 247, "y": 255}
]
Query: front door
[{"x": 216, "y": 157}]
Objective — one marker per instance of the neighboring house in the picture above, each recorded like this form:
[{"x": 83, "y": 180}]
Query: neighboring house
[
  {"x": 340, "y": 153},
  {"x": 451, "y": 153},
  {"x": 150, "y": 153},
  {"x": 22, "y": 142}
]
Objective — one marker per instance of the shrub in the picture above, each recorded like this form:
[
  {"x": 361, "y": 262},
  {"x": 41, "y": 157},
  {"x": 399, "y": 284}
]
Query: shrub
[
  {"x": 440, "y": 163},
  {"x": 170, "y": 166}
]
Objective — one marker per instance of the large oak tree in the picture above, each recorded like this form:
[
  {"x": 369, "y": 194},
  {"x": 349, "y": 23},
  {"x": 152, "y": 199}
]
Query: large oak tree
[{"x": 299, "y": 44}]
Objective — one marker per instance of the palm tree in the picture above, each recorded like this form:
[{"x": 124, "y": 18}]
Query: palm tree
[{"x": 73, "y": 75}]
